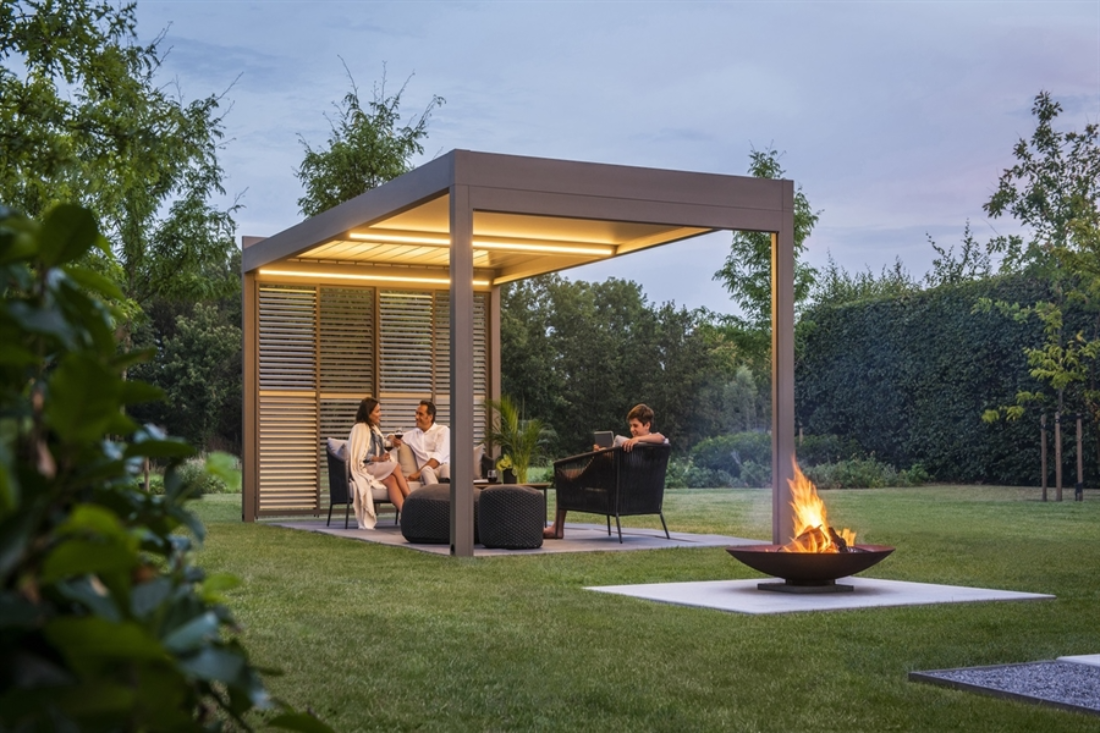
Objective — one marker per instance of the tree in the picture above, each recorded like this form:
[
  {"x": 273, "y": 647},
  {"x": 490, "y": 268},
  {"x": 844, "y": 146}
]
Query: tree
[
  {"x": 746, "y": 273},
  {"x": 107, "y": 624},
  {"x": 82, "y": 119},
  {"x": 1054, "y": 189},
  {"x": 365, "y": 149},
  {"x": 1055, "y": 183},
  {"x": 578, "y": 355}
]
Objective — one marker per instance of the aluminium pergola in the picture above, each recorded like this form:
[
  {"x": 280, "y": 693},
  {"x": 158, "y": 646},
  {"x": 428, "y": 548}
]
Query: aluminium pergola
[{"x": 471, "y": 222}]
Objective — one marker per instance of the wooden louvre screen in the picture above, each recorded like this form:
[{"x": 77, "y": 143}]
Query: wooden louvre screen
[{"x": 321, "y": 350}]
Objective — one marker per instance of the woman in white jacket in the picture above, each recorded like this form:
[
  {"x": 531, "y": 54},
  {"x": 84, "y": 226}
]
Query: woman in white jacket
[{"x": 369, "y": 461}]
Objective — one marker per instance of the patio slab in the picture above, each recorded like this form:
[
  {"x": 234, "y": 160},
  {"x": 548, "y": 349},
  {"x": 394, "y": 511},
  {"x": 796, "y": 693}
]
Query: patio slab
[
  {"x": 578, "y": 538},
  {"x": 742, "y": 596}
]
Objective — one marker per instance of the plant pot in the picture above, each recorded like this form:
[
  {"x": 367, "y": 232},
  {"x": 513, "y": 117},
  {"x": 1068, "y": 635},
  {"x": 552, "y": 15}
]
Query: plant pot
[{"x": 509, "y": 476}]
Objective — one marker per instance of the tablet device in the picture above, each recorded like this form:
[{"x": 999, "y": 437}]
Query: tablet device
[{"x": 603, "y": 438}]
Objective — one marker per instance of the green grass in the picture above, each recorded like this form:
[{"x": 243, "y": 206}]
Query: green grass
[{"x": 379, "y": 638}]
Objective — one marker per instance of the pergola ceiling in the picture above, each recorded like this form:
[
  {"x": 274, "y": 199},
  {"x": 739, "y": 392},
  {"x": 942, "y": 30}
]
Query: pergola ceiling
[
  {"x": 506, "y": 246},
  {"x": 529, "y": 216}
]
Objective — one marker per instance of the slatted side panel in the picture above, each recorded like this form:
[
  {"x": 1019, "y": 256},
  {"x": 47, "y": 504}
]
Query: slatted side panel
[
  {"x": 406, "y": 355},
  {"x": 288, "y": 460},
  {"x": 287, "y": 399},
  {"x": 287, "y": 345},
  {"x": 347, "y": 340},
  {"x": 441, "y": 343}
]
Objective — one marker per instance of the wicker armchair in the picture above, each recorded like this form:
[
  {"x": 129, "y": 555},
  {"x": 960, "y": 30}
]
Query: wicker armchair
[{"x": 614, "y": 482}]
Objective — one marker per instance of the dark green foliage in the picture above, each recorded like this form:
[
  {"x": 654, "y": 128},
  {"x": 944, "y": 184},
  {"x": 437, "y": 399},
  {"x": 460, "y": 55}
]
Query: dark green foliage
[
  {"x": 105, "y": 623},
  {"x": 729, "y": 453},
  {"x": 909, "y": 378},
  {"x": 579, "y": 355},
  {"x": 746, "y": 273},
  {"x": 198, "y": 365},
  {"x": 365, "y": 149},
  {"x": 863, "y": 473}
]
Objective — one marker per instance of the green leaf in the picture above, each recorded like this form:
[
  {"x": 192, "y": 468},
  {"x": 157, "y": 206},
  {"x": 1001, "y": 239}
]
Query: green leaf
[
  {"x": 68, "y": 232},
  {"x": 95, "y": 519},
  {"x": 86, "y": 641},
  {"x": 80, "y": 557},
  {"x": 83, "y": 399},
  {"x": 195, "y": 633},
  {"x": 216, "y": 665},
  {"x": 83, "y": 591},
  {"x": 145, "y": 598},
  {"x": 92, "y": 280}
]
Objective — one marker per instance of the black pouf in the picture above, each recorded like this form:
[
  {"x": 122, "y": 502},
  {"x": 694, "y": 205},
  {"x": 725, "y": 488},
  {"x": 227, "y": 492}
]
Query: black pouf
[
  {"x": 511, "y": 517},
  {"x": 426, "y": 515}
]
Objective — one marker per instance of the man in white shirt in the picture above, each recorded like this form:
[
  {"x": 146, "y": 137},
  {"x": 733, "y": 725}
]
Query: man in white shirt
[{"x": 430, "y": 444}]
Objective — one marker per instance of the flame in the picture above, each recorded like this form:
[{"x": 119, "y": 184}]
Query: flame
[{"x": 811, "y": 526}]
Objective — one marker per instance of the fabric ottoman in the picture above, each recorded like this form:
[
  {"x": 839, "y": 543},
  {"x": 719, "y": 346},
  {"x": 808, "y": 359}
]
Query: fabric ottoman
[
  {"x": 511, "y": 517},
  {"x": 426, "y": 515}
]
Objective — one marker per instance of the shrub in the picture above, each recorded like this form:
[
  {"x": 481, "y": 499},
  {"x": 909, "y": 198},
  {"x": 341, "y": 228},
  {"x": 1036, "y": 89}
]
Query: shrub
[
  {"x": 863, "y": 473},
  {"x": 106, "y": 623},
  {"x": 729, "y": 453},
  {"x": 200, "y": 481}
]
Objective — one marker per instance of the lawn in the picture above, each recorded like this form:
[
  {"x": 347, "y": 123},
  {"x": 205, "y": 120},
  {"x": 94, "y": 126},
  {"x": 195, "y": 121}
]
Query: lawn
[{"x": 380, "y": 638}]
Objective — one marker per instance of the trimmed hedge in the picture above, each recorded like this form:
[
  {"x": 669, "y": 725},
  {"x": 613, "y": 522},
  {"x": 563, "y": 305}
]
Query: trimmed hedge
[{"x": 908, "y": 380}]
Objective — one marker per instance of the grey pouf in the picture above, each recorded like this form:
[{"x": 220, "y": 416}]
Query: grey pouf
[
  {"x": 511, "y": 517},
  {"x": 426, "y": 515}
]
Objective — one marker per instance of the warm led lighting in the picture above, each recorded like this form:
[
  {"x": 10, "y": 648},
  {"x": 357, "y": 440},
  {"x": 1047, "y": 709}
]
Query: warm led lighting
[
  {"x": 382, "y": 278},
  {"x": 568, "y": 249},
  {"x": 400, "y": 239}
]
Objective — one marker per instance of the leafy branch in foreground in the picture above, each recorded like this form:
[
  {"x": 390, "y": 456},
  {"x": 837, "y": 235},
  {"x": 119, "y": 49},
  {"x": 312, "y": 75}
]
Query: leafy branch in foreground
[{"x": 105, "y": 623}]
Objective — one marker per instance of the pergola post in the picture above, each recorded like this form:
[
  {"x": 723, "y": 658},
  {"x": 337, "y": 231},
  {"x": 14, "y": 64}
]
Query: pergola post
[
  {"x": 462, "y": 373},
  {"x": 783, "y": 430}
]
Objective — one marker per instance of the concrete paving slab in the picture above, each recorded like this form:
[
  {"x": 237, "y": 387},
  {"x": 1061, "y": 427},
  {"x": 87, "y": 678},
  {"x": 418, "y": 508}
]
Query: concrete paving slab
[
  {"x": 578, "y": 538},
  {"x": 743, "y": 596},
  {"x": 1089, "y": 659}
]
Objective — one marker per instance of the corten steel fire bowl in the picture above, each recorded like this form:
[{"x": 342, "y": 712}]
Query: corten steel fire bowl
[{"x": 809, "y": 572}]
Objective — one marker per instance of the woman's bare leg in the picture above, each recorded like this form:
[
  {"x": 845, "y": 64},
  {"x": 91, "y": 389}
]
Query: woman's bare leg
[
  {"x": 557, "y": 530},
  {"x": 402, "y": 482},
  {"x": 396, "y": 497}
]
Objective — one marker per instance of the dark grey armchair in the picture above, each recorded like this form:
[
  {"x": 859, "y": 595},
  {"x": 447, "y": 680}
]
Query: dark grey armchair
[{"x": 614, "y": 483}]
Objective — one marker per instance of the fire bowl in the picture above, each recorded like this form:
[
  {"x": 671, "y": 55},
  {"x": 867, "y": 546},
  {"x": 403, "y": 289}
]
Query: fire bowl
[{"x": 809, "y": 569}]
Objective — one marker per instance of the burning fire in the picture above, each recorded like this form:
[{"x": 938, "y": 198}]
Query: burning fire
[{"x": 812, "y": 532}]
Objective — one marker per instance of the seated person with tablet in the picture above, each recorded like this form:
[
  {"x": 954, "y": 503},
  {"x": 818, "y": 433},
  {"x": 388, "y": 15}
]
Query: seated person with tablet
[{"x": 640, "y": 419}]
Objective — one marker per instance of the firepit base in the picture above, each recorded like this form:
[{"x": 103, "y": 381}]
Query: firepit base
[{"x": 802, "y": 589}]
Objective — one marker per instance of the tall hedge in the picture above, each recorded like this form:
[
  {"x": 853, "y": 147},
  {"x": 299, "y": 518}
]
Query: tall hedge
[{"x": 908, "y": 378}]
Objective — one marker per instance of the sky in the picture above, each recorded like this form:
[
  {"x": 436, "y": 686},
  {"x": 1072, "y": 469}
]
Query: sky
[{"x": 896, "y": 119}]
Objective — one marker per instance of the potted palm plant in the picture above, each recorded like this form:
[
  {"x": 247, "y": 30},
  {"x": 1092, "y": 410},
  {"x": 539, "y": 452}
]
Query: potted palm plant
[{"x": 518, "y": 439}]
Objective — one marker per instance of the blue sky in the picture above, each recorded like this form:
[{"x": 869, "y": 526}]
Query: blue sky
[{"x": 895, "y": 118}]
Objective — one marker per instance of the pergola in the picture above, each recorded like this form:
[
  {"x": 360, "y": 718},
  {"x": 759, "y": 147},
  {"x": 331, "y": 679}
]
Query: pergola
[{"x": 460, "y": 227}]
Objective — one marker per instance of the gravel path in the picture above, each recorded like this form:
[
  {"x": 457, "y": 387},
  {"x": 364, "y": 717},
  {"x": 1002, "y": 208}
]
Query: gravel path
[{"x": 1065, "y": 683}]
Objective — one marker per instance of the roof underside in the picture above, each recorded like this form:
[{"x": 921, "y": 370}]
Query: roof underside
[{"x": 530, "y": 216}]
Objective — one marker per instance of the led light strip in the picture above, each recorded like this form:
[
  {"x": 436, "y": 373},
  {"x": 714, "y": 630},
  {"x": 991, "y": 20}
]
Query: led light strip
[
  {"x": 382, "y": 278},
  {"x": 595, "y": 249}
]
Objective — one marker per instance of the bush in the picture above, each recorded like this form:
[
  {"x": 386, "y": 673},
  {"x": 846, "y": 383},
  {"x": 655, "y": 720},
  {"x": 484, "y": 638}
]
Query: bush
[
  {"x": 863, "y": 473},
  {"x": 194, "y": 474},
  {"x": 106, "y": 623},
  {"x": 814, "y": 450},
  {"x": 728, "y": 453}
]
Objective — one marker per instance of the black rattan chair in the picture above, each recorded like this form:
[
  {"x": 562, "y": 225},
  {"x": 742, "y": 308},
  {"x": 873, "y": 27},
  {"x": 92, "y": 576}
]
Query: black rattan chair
[
  {"x": 340, "y": 493},
  {"x": 614, "y": 482}
]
